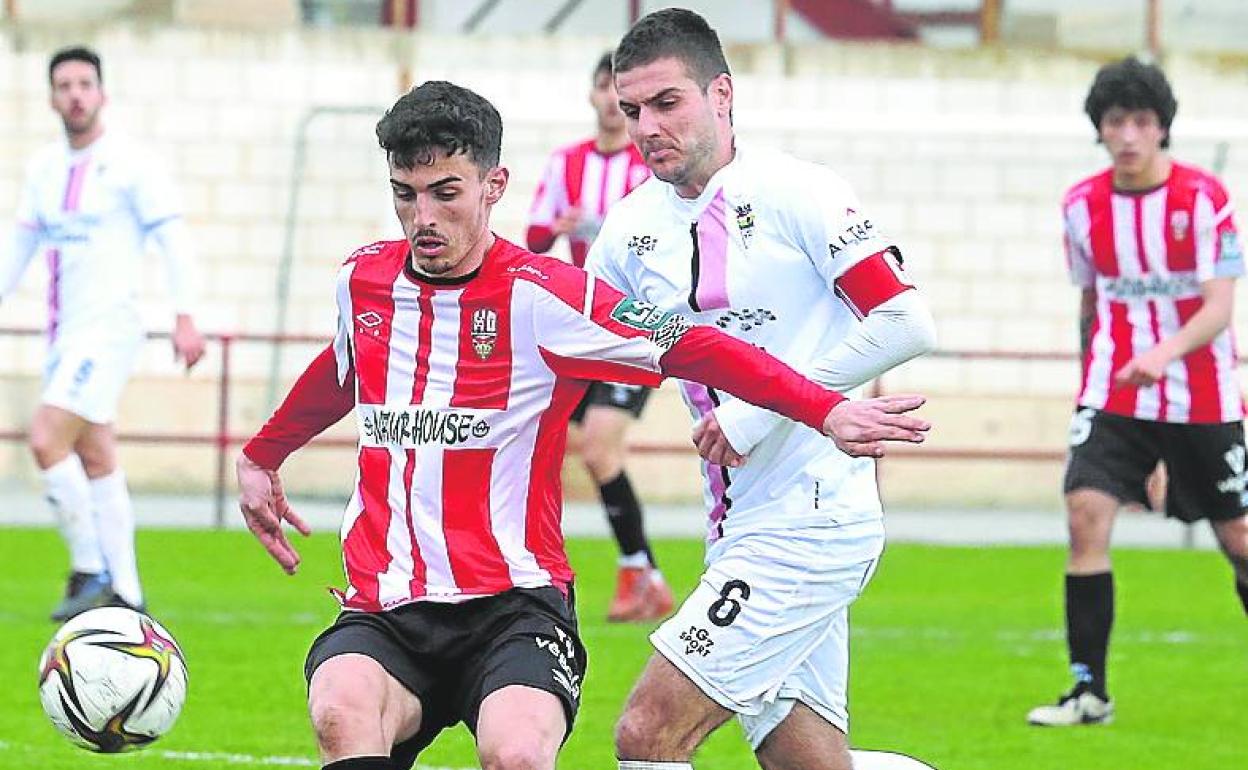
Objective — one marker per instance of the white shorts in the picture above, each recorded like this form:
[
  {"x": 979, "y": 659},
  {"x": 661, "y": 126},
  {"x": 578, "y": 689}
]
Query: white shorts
[
  {"x": 768, "y": 622},
  {"x": 87, "y": 376}
]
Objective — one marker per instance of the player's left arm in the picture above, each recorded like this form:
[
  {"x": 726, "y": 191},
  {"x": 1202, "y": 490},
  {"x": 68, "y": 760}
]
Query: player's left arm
[
  {"x": 157, "y": 208},
  {"x": 1219, "y": 262},
  {"x": 863, "y": 268},
  {"x": 621, "y": 339}
]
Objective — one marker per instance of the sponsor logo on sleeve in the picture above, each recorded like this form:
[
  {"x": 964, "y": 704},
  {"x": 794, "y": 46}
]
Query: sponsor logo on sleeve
[
  {"x": 858, "y": 232},
  {"x": 1229, "y": 248},
  {"x": 639, "y": 314}
]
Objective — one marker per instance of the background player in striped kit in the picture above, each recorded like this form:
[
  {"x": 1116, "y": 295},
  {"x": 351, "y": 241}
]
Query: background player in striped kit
[
  {"x": 463, "y": 356},
  {"x": 1152, "y": 244},
  {"x": 94, "y": 203},
  {"x": 580, "y": 183}
]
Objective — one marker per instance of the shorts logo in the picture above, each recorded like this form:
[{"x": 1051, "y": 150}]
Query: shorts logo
[
  {"x": 697, "y": 640},
  {"x": 484, "y": 332},
  {"x": 1180, "y": 221},
  {"x": 1235, "y": 459},
  {"x": 564, "y": 651},
  {"x": 1081, "y": 426}
]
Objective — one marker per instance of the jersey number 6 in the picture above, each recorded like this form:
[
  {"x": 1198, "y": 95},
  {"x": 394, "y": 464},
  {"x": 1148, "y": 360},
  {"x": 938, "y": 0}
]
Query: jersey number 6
[{"x": 726, "y": 609}]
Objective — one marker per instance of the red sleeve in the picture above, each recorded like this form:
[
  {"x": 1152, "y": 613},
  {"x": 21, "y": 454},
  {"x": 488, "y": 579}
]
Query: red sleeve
[
  {"x": 539, "y": 239},
  {"x": 316, "y": 402},
  {"x": 709, "y": 356}
]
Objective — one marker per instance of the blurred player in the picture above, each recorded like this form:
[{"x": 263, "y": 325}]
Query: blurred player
[
  {"x": 580, "y": 183},
  {"x": 1152, "y": 244},
  {"x": 463, "y": 357},
  {"x": 94, "y": 203},
  {"x": 777, "y": 252}
]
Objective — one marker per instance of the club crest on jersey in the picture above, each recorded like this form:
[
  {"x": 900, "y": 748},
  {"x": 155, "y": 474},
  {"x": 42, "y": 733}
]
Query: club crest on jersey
[
  {"x": 484, "y": 332},
  {"x": 745, "y": 223},
  {"x": 1180, "y": 221}
]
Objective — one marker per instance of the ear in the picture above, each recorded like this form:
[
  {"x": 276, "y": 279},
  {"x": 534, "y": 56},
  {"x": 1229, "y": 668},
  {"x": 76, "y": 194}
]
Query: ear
[
  {"x": 495, "y": 184},
  {"x": 720, "y": 90}
]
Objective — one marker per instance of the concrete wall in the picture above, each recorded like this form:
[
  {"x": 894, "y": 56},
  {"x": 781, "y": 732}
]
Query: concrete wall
[{"x": 964, "y": 155}]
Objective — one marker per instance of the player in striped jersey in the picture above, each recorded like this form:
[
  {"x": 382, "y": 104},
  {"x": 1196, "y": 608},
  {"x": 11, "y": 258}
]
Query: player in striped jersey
[
  {"x": 580, "y": 183},
  {"x": 463, "y": 356},
  {"x": 1153, "y": 246}
]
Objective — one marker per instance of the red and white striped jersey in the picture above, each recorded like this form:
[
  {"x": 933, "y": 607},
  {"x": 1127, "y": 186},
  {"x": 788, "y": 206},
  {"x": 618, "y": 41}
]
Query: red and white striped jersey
[
  {"x": 463, "y": 394},
  {"x": 1146, "y": 254},
  {"x": 580, "y": 176}
]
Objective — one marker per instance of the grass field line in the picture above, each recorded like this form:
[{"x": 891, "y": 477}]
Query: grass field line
[{"x": 224, "y": 757}]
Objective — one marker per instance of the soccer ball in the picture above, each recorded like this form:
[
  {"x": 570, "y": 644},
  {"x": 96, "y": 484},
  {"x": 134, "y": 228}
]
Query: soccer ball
[{"x": 112, "y": 680}]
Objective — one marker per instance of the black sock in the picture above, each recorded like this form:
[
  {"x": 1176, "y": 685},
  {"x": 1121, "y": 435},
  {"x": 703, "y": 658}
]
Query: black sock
[
  {"x": 361, "y": 763},
  {"x": 1242, "y": 589},
  {"x": 1089, "y": 617},
  {"x": 624, "y": 514}
]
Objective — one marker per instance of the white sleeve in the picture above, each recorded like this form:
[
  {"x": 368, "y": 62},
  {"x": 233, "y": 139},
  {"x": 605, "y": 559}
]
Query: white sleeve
[
  {"x": 550, "y": 198},
  {"x": 27, "y": 233},
  {"x": 826, "y": 219},
  {"x": 605, "y": 259},
  {"x": 1075, "y": 227},
  {"x": 891, "y": 334},
  {"x": 158, "y": 210}
]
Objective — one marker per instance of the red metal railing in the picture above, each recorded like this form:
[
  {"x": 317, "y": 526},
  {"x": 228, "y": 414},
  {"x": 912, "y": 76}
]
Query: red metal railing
[{"x": 223, "y": 439}]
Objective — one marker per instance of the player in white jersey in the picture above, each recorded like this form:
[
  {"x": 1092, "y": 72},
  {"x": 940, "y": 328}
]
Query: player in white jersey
[
  {"x": 778, "y": 253},
  {"x": 93, "y": 203},
  {"x": 463, "y": 357}
]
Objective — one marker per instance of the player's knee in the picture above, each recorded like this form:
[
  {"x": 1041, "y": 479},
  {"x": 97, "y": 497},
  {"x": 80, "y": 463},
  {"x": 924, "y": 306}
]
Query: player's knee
[
  {"x": 604, "y": 461},
  {"x": 638, "y": 734},
  {"x": 338, "y": 718},
  {"x": 47, "y": 448},
  {"x": 519, "y": 752}
]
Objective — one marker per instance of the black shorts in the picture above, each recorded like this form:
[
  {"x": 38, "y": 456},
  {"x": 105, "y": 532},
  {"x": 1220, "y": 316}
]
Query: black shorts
[
  {"x": 451, "y": 656},
  {"x": 629, "y": 398},
  {"x": 1204, "y": 462}
]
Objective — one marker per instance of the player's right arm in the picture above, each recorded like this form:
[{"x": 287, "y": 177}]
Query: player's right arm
[
  {"x": 27, "y": 234},
  {"x": 317, "y": 400},
  {"x": 550, "y": 216}
]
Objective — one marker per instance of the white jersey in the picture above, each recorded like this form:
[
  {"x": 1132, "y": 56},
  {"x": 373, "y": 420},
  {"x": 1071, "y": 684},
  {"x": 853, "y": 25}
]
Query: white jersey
[
  {"x": 92, "y": 212},
  {"x": 758, "y": 255}
]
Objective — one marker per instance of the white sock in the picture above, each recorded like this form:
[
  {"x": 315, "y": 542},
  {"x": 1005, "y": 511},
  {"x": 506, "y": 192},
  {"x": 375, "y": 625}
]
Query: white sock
[
  {"x": 885, "y": 760},
  {"x": 115, "y": 518},
  {"x": 645, "y": 764},
  {"x": 635, "y": 560},
  {"x": 70, "y": 496}
]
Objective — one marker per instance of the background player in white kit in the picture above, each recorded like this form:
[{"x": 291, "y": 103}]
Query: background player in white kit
[
  {"x": 581, "y": 182},
  {"x": 93, "y": 203},
  {"x": 776, "y": 252}
]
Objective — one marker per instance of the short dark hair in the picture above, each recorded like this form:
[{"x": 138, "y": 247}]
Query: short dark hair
[
  {"x": 76, "y": 53},
  {"x": 1132, "y": 85},
  {"x": 674, "y": 33},
  {"x": 440, "y": 115},
  {"x": 603, "y": 65}
]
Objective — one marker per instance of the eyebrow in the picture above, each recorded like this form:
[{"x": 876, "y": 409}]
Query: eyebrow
[
  {"x": 665, "y": 92},
  {"x": 439, "y": 183}
]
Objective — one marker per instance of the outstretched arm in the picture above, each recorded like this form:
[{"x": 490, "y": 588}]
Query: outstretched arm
[{"x": 317, "y": 401}]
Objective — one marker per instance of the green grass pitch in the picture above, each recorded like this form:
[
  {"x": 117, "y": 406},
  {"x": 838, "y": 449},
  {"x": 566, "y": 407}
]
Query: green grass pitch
[{"x": 951, "y": 646}]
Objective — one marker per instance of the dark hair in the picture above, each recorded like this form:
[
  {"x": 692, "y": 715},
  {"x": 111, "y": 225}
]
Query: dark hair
[
  {"x": 603, "y": 65},
  {"x": 437, "y": 115},
  {"x": 678, "y": 34},
  {"x": 1132, "y": 85},
  {"x": 76, "y": 53}
]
